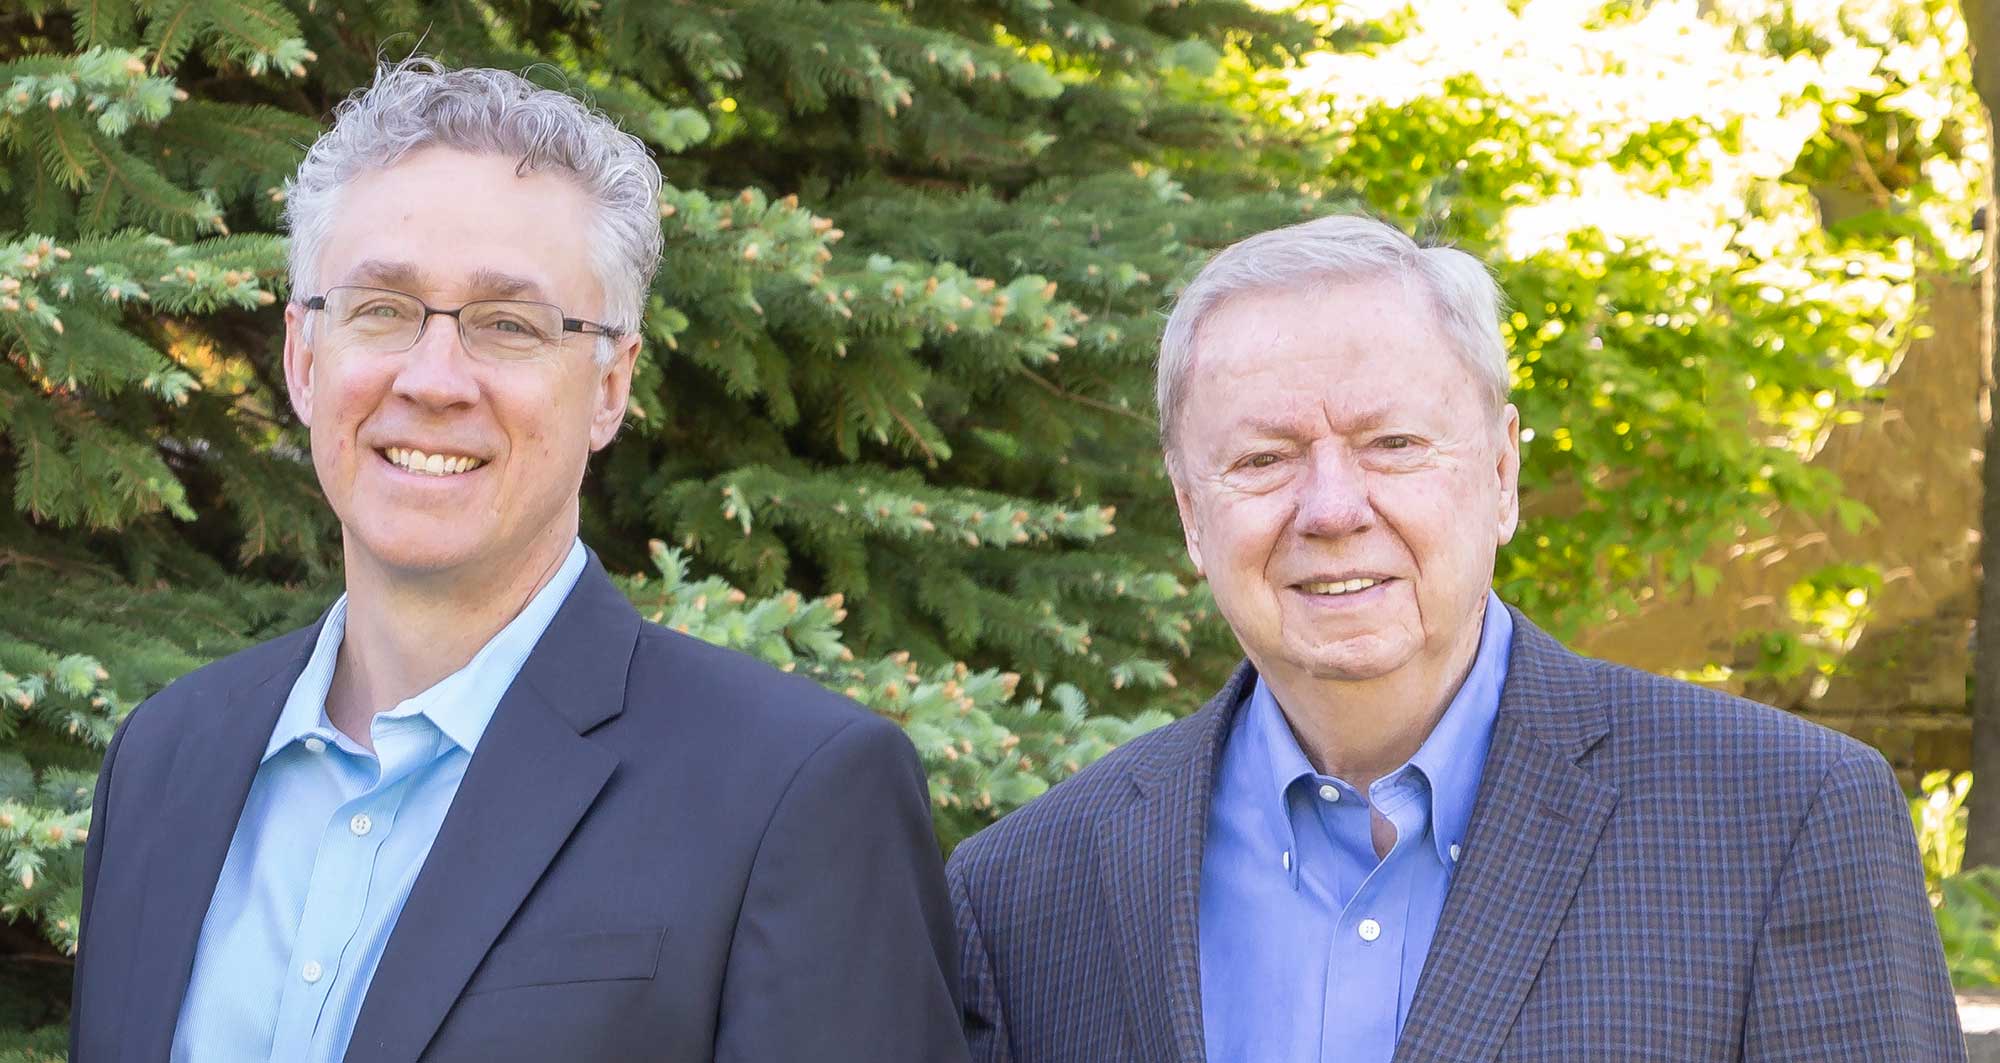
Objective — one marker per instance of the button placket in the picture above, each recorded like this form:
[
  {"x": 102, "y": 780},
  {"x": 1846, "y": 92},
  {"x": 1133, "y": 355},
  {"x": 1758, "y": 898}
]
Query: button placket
[{"x": 336, "y": 897}]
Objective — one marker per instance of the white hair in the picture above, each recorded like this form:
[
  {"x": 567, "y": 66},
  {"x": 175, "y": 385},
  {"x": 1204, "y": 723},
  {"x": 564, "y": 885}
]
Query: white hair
[
  {"x": 1339, "y": 249},
  {"x": 418, "y": 103}
]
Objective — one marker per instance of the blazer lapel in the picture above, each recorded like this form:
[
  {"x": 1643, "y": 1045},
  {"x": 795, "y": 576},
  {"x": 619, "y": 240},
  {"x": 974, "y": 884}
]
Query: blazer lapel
[
  {"x": 1534, "y": 826},
  {"x": 214, "y": 765},
  {"x": 529, "y": 784},
  {"x": 1150, "y": 860}
]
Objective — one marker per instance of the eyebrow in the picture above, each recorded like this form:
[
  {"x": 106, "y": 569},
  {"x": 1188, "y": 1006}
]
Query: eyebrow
[
  {"x": 493, "y": 284},
  {"x": 1290, "y": 428},
  {"x": 484, "y": 283},
  {"x": 382, "y": 271}
]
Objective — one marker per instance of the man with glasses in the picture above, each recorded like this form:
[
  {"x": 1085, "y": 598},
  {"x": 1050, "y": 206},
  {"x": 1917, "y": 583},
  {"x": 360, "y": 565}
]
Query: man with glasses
[{"x": 481, "y": 811}]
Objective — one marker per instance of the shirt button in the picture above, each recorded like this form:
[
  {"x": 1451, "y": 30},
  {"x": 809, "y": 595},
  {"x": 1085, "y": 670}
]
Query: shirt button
[
  {"x": 360, "y": 824},
  {"x": 1454, "y": 854},
  {"x": 1369, "y": 930},
  {"x": 315, "y": 745},
  {"x": 1329, "y": 792},
  {"x": 311, "y": 972}
]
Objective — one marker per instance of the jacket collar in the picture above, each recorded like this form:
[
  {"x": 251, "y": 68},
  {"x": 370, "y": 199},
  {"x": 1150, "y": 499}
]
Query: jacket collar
[
  {"x": 1535, "y": 821},
  {"x": 535, "y": 776},
  {"x": 523, "y": 793}
]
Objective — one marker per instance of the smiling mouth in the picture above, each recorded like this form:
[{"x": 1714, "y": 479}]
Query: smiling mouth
[
  {"x": 1340, "y": 587},
  {"x": 410, "y": 459}
]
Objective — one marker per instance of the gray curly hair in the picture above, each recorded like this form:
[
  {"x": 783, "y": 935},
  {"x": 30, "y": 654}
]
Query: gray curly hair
[
  {"x": 1340, "y": 248},
  {"x": 418, "y": 103}
]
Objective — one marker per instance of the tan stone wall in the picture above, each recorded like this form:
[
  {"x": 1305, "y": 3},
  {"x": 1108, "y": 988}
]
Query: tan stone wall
[{"x": 1913, "y": 459}]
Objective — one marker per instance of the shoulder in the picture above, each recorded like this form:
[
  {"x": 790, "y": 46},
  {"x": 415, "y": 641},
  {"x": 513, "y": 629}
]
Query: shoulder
[
  {"x": 1655, "y": 714},
  {"x": 1683, "y": 752},
  {"x": 736, "y": 701},
  {"x": 1061, "y": 824},
  {"x": 214, "y": 686}
]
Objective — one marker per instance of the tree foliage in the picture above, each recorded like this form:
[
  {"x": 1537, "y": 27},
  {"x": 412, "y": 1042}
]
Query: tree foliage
[{"x": 892, "y": 425}]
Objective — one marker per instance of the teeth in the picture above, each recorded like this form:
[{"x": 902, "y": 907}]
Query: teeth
[
  {"x": 1345, "y": 586},
  {"x": 412, "y": 460}
]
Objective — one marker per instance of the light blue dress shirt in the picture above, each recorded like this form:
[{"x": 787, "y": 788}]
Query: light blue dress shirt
[
  {"x": 1311, "y": 946},
  {"x": 328, "y": 846}
]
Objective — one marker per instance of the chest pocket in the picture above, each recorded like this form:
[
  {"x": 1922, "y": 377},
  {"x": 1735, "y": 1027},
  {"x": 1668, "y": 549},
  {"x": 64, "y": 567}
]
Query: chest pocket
[{"x": 562, "y": 958}]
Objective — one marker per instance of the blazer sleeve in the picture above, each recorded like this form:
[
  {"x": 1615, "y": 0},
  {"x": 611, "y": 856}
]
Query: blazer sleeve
[
  {"x": 985, "y": 1030},
  {"x": 1848, "y": 964},
  {"x": 844, "y": 951},
  {"x": 93, "y": 855}
]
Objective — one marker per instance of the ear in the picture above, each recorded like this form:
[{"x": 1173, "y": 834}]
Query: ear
[
  {"x": 614, "y": 391},
  {"x": 298, "y": 363},
  {"x": 1508, "y": 467},
  {"x": 1190, "y": 528}
]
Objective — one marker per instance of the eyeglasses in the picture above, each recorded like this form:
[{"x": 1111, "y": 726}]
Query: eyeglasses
[{"x": 508, "y": 330}]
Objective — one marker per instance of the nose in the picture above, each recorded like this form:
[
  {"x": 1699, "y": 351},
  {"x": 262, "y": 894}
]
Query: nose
[
  {"x": 437, "y": 370},
  {"x": 1333, "y": 497}
]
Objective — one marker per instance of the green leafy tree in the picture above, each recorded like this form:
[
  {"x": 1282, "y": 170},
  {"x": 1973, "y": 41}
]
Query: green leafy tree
[{"x": 1714, "y": 229}]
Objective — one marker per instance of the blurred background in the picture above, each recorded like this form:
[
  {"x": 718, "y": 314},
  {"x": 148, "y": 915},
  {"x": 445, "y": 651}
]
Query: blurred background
[{"x": 893, "y": 425}]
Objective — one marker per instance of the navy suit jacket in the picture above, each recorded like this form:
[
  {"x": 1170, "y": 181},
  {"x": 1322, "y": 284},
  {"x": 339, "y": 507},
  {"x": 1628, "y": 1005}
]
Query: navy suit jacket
[
  {"x": 662, "y": 850},
  {"x": 1654, "y": 871}
]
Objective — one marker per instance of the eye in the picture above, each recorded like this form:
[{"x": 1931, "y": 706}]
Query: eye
[
  {"x": 1395, "y": 442},
  {"x": 1260, "y": 461},
  {"x": 385, "y": 310}
]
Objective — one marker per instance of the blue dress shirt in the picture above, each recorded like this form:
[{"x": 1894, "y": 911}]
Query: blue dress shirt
[
  {"x": 1311, "y": 946},
  {"x": 329, "y": 844}
]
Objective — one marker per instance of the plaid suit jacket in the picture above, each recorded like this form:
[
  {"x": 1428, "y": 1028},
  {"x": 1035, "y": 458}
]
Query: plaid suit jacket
[{"x": 1654, "y": 871}]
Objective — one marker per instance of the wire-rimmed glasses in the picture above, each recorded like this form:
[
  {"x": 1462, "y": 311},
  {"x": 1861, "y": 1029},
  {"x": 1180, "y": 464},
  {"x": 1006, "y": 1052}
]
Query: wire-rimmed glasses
[{"x": 386, "y": 321}]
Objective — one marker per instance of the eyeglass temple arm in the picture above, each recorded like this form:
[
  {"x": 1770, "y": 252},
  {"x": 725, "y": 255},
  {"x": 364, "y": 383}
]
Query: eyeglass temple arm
[{"x": 591, "y": 328}]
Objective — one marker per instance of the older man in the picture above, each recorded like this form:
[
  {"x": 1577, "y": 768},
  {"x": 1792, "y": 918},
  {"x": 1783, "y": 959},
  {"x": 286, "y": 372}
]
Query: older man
[
  {"x": 1412, "y": 826},
  {"x": 481, "y": 811}
]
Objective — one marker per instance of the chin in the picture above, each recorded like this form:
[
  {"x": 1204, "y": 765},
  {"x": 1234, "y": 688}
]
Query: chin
[
  {"x": 426, "y": 550},
  {"x": 1351, "y": 664}
]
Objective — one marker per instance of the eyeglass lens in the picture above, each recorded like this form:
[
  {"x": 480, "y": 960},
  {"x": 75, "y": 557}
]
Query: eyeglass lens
[{"x": 381, "y": 320}]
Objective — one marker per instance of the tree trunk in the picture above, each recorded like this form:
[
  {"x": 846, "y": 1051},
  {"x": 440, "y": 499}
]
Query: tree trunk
[{"x": 1982, "y": 841}]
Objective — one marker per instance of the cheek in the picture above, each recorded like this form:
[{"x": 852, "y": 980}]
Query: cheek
[
  {"x": 550, "y": 427},
  {"x": 341, "y": 403},
  {"x": 1244, "y": 533},
  {"x": 1448, "y": 525}
]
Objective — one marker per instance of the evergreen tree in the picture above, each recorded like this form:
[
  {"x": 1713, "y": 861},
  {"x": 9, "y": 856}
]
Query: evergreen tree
[{"x": 897, "y": 360}]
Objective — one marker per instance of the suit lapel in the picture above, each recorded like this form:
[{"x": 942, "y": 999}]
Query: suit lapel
[
  {"x": 1150, "y": 860},
  {"x": 529, "y": 784},
  {"x": 214, "y": 765},
  {"x": 1534, "y": 826}
]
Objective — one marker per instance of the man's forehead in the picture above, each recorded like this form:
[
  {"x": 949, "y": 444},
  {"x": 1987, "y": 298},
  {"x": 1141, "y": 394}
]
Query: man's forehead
[
  {"x": 1296, "y": 414},
  {"x": 481, "y": 282}
]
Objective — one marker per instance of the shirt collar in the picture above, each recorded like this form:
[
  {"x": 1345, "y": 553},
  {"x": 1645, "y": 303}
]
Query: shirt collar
[
  {"x": 462, "y": 703},
  {"x": 1452, "y": 757}
]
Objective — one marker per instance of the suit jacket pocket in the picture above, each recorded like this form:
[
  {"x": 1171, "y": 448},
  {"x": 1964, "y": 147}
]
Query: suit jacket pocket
[{"x": 552, "y": 959}]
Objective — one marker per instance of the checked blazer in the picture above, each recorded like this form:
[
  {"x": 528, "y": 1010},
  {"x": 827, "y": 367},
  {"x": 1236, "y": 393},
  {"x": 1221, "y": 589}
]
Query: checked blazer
[{"x": 1654, "y": 871}]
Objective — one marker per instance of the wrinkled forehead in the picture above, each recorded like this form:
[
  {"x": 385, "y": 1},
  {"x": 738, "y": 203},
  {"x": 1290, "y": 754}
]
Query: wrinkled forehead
[
  {"x": 447, "y": 223},
  {"x": 417, "y": 278},
  {"x": 1335, "y": 358},
  {"x": 1386, "y": 330}
]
